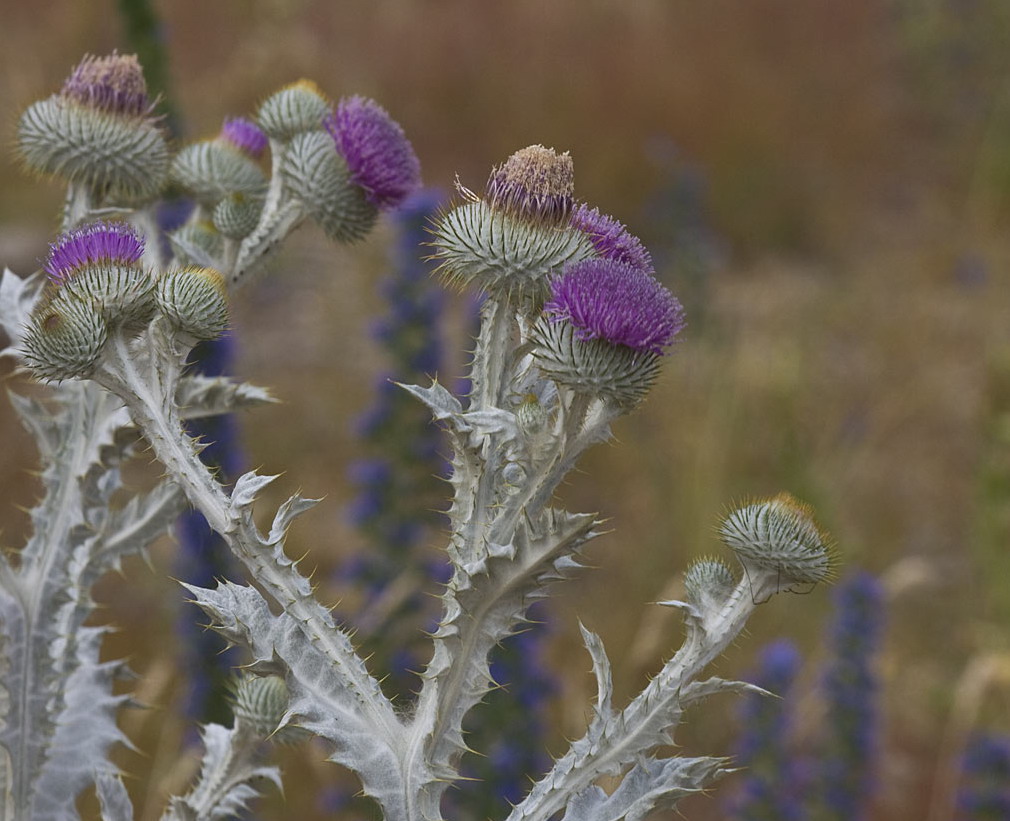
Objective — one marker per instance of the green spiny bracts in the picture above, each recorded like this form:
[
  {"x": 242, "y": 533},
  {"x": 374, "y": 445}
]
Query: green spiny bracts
[
  {"x": 211, "y": 170},
  {"x": 98, "y": 132},
  {"x": 596, "y": 367},
  {"x": 320, "y": 179},
  {"x": 295, "y": 109},
  {"x": 780, "y": 535},
  {"x": 497, "y": 252},
  {"x": 237, "y": 215},
  {"x": 197, "y": 243},
  {"x": 708, "y": 583},
  {"x": 64, "y": 338},
  {"x": 195, "y": 301}
]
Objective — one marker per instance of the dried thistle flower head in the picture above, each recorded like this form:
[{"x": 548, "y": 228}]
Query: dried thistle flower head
[
  {"x": 98, "y": 131},
  {"x": 535, "y": 183},
  {"x": 114, "y": 83}
]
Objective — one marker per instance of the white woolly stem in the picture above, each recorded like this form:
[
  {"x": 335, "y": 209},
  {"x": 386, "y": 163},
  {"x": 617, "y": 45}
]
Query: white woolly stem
[
  {"x": 658, "y": 706},
  {"x": 149, "y": 396}
]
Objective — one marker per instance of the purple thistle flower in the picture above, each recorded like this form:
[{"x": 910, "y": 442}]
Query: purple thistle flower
[
  {"x": 114, "y": 83},
  {"x": 611, "y": 239},
  {"x": 378, "y": 154},
  {"x": 100, "y": 242},
  {"x": 245, "y": 135},
  {"x": 616, "y": 302}
]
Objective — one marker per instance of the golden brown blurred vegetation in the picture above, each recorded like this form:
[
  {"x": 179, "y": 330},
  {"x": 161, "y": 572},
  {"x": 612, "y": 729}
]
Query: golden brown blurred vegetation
[{"x": 849, "y": 342}]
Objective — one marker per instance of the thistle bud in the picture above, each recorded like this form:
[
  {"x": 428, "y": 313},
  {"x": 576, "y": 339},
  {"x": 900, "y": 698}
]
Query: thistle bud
[
  {"x": 100, "y": 264},
  {"x": 780, "y": 535},
  {"x": 196, "y": 243},
  {"x": 195, "y": 301},
  {"x": 237, "y": 215},
  {"x": 245, "y": 136},
  {"x": 98, "y": 131},
  {"x": 260, "y": 703},
  {"x": 379, "y": 156},
  {"x": 708, "y": 583},
  {"x": 295, "y": 109},
  {"x": 604, "y": 329},
  {"x": 214, "y": 169},
  {"x": 531, "y": 416},
  {"x": 64, "y": 337},
  {"x": 319, "y": 177}
]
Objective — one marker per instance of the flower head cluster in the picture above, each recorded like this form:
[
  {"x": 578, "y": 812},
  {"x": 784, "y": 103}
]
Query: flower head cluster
[
  {"x": 610, "y": 238},
  {"x": 100, "y": 243},
  {"x": 113, "y": 83},
  {"x": 245, "y": 135},
  {"x": 380, "y": 157},
  {"x": 616, "y": 302}
]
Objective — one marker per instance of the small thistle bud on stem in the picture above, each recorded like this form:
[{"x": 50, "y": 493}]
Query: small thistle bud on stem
[
  {"x": 296, "y": 108},
  {"x": 195, "y": 301}
]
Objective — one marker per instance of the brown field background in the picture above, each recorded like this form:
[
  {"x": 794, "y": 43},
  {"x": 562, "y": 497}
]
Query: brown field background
[{"x": 848, "y": 338}]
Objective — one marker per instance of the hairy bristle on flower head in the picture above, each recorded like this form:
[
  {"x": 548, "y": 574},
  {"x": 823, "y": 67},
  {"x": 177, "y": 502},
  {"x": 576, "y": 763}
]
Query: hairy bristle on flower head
[
  {"x": 617, "y": 303},
  {"x": 536, "y": 183},
  {"x": 610, "y": 238},
  {"x": 245, "y": 135},
  {"x": 379, "y": 156},
  {"x": 99, "y": 242},
  {"x": 113, "y": 83}
]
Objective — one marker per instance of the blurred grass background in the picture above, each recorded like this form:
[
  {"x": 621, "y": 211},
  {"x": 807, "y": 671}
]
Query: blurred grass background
[{"x": 843, "y": 170}]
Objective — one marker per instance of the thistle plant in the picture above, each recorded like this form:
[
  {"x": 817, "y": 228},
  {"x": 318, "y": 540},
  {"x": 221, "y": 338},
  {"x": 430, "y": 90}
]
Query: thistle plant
[{"x": 574, "y": 329}]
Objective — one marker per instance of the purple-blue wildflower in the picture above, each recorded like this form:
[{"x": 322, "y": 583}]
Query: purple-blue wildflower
[
  {"x": 114, "y": 83},
  {"x": 850, "y": 692},
  {"x": 245, "y": 135},
  {"x": 114, "y": 243},
  {"x": 611, "y": 239},
  {"x": 985, "y": 779},
  {"x": 616, "y": 302},
  {"x": 380, "y": 157},
  {"x": 768, "y": 790}
]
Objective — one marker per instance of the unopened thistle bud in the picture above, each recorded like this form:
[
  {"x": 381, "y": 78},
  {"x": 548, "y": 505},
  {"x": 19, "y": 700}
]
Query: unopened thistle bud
[
  {"x": 237, "y": 215},
  {"x": 605, "y": 327},
  {"x": 260, "y": 703},
  {"x": 100, "y": 263},
  {"x": 708, "y": 583},
  {"x": 531, "y": 416},
  {"x": 379, "y": 156},
  {"x": 514, "y": 240},
  {"x": 781, "y": 536},
  {"x": 212, "y": 170},
  {"x": 197, "y": 242},
  {"x": 610, "y": 239},
  {"x": 98, "y": 131},
  {"x": 295, "y": 109},
  {"x": 64, "y": 338},
  {"x": 195, "y": 301}
]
